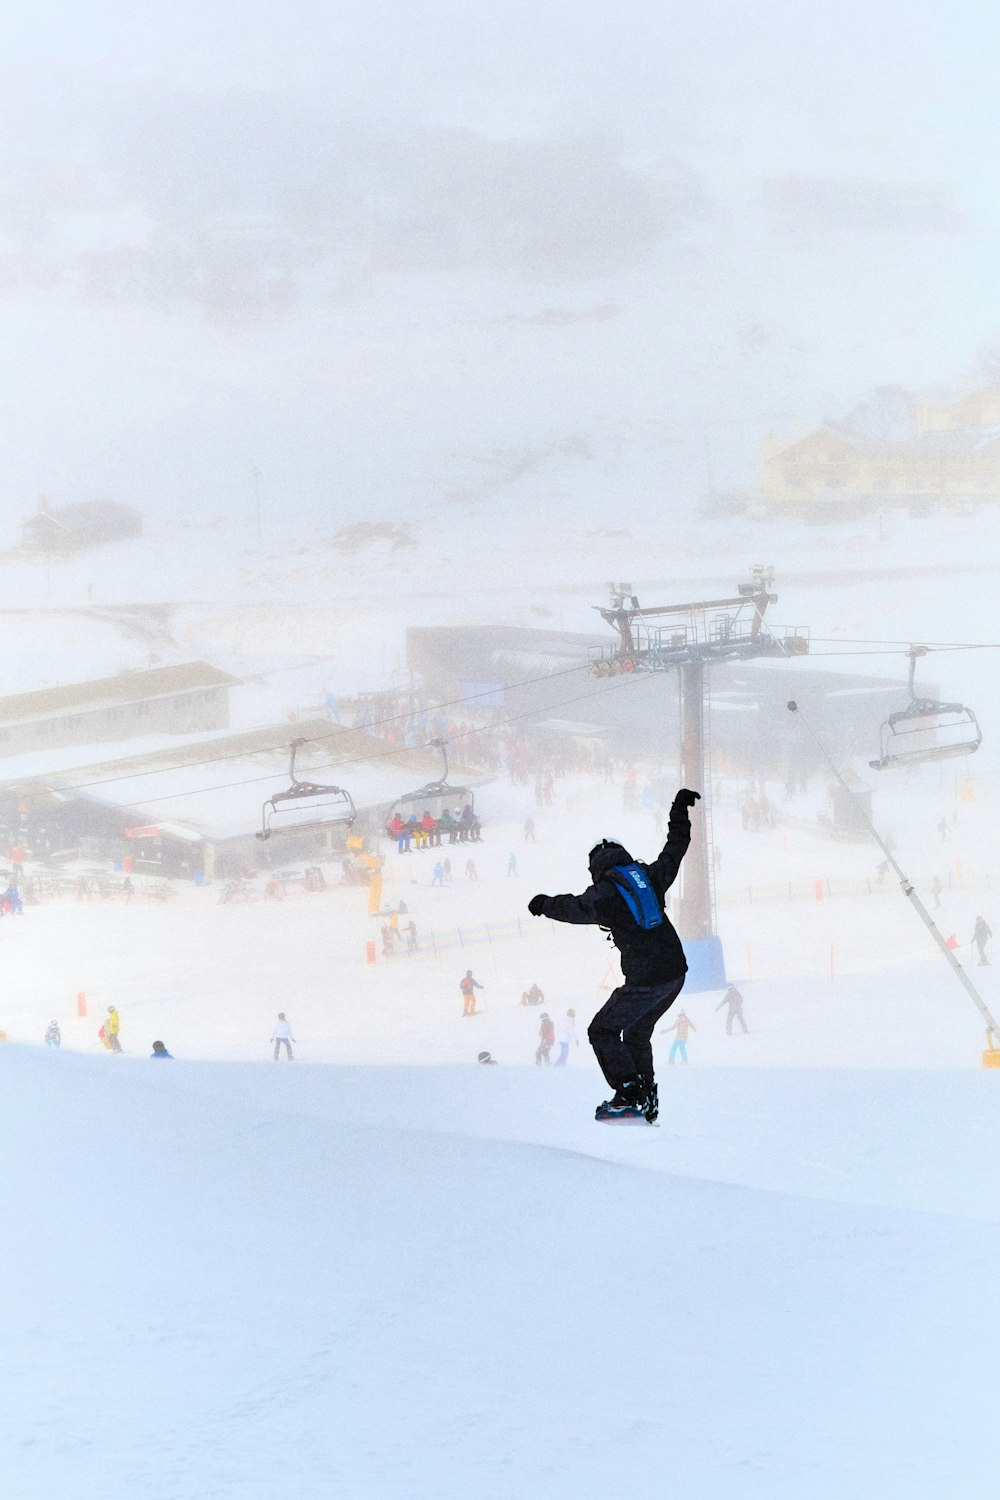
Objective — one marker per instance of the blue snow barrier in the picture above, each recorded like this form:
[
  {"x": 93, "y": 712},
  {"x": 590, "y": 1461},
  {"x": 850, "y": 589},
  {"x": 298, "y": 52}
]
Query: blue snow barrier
[{"x": 706, "y": 965}]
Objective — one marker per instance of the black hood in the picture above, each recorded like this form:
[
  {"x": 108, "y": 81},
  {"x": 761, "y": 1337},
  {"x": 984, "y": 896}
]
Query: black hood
[{"x": 604, "y": 857}]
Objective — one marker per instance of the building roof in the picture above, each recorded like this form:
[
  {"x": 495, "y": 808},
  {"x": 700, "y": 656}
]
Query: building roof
[
  {"x": 112, "y": 692},
  {"x": 87, "y": 515},
  {"x": 950, "y": 443}
]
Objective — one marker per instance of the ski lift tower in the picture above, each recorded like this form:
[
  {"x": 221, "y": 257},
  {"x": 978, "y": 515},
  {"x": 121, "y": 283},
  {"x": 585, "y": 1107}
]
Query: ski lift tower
[{"x": 686, "y": 638}]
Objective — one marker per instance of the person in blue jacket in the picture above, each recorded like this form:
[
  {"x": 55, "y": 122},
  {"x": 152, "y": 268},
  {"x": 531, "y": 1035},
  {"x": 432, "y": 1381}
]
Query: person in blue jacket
[{"x": 160, "y": 1050}]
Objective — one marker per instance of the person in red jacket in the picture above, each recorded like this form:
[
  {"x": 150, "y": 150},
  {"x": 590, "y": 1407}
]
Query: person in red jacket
[
  {"x": 546, "y": 1037},
  {"x": 469, "y": 986}
]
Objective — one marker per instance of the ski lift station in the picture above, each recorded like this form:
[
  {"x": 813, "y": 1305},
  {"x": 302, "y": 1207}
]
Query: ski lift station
[{"x": 202, "y": 806}]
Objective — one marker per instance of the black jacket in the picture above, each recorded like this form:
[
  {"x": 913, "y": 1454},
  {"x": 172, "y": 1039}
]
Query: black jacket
[{"x": 652, "y": 957}]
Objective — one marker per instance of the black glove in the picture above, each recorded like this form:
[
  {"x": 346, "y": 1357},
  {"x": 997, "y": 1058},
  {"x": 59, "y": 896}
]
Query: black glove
[
  {"x": 537, "y": 905},
  {"x": 686, "y": 798}
]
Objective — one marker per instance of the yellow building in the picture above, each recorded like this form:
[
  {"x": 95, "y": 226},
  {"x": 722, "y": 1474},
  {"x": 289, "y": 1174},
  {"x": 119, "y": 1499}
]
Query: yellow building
[{"x": 953, "y": 456}]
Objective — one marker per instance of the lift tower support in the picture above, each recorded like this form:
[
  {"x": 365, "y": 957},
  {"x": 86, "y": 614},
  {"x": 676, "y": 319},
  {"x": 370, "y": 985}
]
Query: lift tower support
[{"x": 687, "y": 638}]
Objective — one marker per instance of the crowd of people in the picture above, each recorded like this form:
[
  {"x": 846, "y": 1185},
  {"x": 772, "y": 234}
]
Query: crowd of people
[{"x": 428, "y": 832}]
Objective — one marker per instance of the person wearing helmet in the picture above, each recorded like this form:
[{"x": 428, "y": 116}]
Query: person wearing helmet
[
  {"x": 160, "y": 1050},
  {"x": 626, "y": 897}
]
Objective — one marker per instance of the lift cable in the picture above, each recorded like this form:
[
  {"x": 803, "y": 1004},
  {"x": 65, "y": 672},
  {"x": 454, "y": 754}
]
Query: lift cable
[
  {"x": 992, "y": 1029},
  {"x": 467, "y": 698},
  {"x": 334, "y": 734},
  {"x": 333, "y": 764}
]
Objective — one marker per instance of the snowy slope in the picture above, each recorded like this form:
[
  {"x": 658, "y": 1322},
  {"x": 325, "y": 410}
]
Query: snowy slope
[{"x": 261, "y": 1282}]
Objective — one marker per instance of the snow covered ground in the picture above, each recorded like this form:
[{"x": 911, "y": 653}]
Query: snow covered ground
[
  {"x": 353, "y": 1275},
  {"x": 259, "y": 1281},
  {"x": 387, "y": 1271}
]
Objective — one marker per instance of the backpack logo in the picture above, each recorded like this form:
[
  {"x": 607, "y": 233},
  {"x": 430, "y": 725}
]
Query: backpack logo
[{"x": 639, "y": 896}]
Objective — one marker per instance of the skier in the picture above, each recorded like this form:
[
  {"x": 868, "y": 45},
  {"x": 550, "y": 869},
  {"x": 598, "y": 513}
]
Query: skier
[
  {"x": 11, "y": 901},
  {"x": 113, "y": 1027},
  {"x": 160, "y": 1050},
  {"x": 53, "y": 1036},
  {"x": 282, "y": 1034},
  {"x": 683, "y": 1027},
  {"x": 734, "y": 1000},
  {"x": 627, "y": 898},
  {"x": 546, "y": 1036},
  {"x": 980, "y": 936},
  {"x": 469, "y": 986},
  {"x": 567, "y": 1036},
  {"x": 438, "y": 876},
  {"x": 512, "y": 865}
]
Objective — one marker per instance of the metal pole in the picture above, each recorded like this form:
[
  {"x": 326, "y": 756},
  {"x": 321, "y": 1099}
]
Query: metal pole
[
  {"x": 907, "y": 888},
  {"x": 695, "y": 913},
  {"x": 256, "y": 501}
]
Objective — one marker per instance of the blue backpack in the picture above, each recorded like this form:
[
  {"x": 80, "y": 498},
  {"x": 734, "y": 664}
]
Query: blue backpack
[{"x": 640, "y": 898}]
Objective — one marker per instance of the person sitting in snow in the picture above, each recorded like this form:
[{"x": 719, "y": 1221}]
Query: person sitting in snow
[{"x": 160, "y": 1050}]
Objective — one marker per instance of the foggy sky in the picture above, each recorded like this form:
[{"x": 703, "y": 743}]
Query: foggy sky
[{"x": 401, "y": 256}]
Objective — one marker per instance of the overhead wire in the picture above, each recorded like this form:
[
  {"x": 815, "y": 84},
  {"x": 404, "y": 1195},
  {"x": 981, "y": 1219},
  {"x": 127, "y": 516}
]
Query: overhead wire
[
  {"x": 624, "y": 681},
  {"x": 463, "y": 699}
]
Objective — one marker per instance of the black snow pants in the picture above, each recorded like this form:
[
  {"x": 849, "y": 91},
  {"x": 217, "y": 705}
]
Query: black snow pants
[{"x": 621, "y": 1033}]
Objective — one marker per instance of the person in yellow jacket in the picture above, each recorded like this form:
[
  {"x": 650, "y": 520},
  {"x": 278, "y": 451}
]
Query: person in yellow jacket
[{"x": 113, "y": 1026}]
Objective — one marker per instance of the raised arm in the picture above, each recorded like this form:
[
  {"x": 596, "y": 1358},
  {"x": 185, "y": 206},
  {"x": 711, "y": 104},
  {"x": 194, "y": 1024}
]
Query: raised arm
[{"x": 668, "y": 861}]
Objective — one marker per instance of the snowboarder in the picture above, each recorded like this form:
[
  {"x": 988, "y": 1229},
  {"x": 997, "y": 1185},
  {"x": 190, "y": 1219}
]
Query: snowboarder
[
  {"x": 980, "y": 936},
  {"x": 683, "y": 1027},
  {"x": 282, "y": 1036},
  {"x": 53, "y": 1036},
  {"x": 160, "y": 1050},
  {"x": 546, "y": 1037},
  {"x": 734, "y": 1000},
  {"x": 627, "y": 898},
  {"x": 567, "y": 1036},
  {"x": 113, "y": 1026},
  {"x": 468, "y": 987}
]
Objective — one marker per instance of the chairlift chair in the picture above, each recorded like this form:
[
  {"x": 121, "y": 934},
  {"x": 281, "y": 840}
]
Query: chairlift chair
[
  {"x": 305, "y": 805},
  {"x": 434, "y": 798},
  {"x": 925, "y": 729}
]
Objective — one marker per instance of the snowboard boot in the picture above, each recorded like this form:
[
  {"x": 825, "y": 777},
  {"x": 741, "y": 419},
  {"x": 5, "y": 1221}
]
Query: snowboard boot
[
  {"x": 627, "y": 1105},
  {"x": 652, "y": 1109}
]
